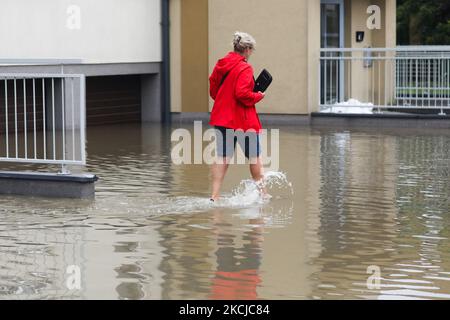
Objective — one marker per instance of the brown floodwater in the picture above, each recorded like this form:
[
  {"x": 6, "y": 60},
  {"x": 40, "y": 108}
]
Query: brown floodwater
[{"x": 359, "y": 200}]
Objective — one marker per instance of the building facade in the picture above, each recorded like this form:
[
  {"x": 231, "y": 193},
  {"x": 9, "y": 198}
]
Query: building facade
[
  {"x": 289, "y": 37},
  {"x": 125, "y": 49}
]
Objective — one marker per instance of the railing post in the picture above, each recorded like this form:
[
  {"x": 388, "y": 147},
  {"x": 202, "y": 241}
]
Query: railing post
[
  {"x": 64, "y": 169},
  {"x": 319, "y": 82}
]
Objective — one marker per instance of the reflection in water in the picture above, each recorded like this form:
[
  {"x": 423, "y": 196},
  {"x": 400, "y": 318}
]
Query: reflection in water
[
  {"x": 375, "y": 212},
  {"x": 360, "y": 198},
  {"x": 239, "y": 257}
]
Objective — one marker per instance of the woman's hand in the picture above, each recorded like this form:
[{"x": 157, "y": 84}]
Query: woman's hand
[{"x": 262, "y": 93}]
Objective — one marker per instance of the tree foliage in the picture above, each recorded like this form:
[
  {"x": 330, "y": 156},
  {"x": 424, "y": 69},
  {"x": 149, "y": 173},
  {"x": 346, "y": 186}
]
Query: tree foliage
[{"x": 423, "y": 22}]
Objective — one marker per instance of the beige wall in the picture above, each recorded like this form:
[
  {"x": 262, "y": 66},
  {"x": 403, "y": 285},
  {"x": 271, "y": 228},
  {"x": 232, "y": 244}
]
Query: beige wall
[
  {"x": 175, "y": 55},
  {"x": 189, "y": 55},
  {"x": 370, "y": 84},
  {"x": 280, "y": 30},
  {"x": 386, "y": 36},
  {"x": 360, "y": 77},
  {"x": 194, "y": 55},
  {"x": 313, "y": 47}
]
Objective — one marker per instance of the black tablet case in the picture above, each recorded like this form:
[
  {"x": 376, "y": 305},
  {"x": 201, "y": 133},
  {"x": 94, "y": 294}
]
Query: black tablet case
[{"x": 263, "y": 81}]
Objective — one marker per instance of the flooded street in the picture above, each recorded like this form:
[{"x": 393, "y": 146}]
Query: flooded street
[{"x": 359, "y": 200}]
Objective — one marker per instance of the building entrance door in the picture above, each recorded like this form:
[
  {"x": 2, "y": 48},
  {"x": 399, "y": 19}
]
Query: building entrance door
[{"x": 332, "y": 36}]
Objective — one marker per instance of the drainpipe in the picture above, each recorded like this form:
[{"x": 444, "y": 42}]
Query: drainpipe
[{"x": 165, "y": 68}]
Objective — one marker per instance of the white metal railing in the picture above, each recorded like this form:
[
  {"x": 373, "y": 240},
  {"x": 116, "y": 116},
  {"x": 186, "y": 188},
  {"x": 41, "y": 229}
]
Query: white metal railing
[
  {"x": 385, "y": 78},
  {"x": 42, "y": 118}
]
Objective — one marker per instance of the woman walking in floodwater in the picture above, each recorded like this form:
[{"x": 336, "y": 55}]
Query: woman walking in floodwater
[{"x": 234, "y": 112}]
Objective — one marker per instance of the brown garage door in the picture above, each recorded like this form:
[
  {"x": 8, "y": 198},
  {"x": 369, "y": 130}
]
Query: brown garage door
[{"x": 113, "y": 99}]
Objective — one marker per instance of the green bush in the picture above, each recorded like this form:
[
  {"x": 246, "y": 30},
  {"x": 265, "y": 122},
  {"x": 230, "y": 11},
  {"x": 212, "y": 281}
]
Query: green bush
[{"x": 423, "y": 22}]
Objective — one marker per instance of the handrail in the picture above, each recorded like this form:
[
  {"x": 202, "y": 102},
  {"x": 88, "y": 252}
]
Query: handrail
[
  {"x": 396, "y": 49},
  {"x": 42, "y": 118}
]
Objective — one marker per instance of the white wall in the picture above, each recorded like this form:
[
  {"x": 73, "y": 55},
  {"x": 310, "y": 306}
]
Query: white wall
[{"x": 111, "y": 30}]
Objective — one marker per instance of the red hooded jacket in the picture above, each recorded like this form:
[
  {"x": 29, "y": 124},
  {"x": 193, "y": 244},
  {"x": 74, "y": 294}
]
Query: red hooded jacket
[{"x": 234, "y": 99}]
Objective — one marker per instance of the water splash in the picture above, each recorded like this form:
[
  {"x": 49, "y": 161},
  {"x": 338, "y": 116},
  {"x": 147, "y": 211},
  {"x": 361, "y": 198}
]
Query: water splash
[
  {"x": 246, "y": 195},
  {"x": 249, "y": 192},
  {"x": 276, "y": 179}
]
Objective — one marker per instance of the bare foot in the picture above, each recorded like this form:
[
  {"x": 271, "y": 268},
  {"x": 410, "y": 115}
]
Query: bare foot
[
  {"x": 265, "y": 195},
  {"x": 213, "y": 199},
  {"x": 262, "y": 189}
]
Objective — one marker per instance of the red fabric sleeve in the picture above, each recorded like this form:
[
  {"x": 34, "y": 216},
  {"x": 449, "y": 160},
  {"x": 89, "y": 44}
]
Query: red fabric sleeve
[
  {"x": 244, "y": 88},
  {"x": 214, "y": 84}
]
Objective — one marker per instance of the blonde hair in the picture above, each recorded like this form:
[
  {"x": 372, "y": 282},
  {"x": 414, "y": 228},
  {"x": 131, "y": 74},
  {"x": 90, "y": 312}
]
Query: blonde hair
[{"x": 242, "y": 41}]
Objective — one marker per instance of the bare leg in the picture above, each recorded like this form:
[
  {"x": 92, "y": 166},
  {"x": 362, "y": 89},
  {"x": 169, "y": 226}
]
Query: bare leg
[
  {"x": 257, "y": 172},
  {"x": 218, "y": 171}
]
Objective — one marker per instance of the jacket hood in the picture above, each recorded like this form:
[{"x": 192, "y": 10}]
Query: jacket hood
[{"x": 228, "y": 62}]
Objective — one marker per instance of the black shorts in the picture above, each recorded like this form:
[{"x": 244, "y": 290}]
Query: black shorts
[{"x": 226, "y": 142}]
